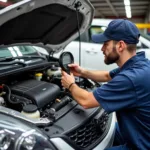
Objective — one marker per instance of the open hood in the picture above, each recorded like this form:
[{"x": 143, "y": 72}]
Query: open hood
[{"x": 44, "y": 22}]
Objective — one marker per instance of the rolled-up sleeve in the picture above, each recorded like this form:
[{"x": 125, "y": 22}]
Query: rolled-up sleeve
[{"x": 114, "y": 72}]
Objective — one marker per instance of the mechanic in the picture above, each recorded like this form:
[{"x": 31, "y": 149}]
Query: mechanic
[{"x": 127, "y": 90}]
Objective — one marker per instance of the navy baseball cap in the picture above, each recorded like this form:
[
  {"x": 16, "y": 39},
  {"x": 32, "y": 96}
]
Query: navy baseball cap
[{"x": 119, "y": 29}]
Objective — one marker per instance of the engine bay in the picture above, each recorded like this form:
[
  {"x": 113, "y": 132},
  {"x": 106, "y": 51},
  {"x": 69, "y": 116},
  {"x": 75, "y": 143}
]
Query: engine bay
[
  {"x": 36, "y": 96},
  {"x": 42, "y": 90}
]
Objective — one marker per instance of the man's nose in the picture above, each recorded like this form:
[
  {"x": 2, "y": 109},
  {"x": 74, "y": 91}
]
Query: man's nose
[{"x": 102, "y": 49}]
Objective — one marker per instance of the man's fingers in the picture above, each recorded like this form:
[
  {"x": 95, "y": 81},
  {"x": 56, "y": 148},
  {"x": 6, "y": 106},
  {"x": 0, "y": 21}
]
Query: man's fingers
[
  {"x": 64, "y": 73},
  {"x": 72, "y": 65},
  {"x": 71, "y": 74}
]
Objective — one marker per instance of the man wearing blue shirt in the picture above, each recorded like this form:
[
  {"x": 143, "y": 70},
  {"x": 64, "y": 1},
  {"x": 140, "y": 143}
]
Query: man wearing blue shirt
[{"x": 127, "y": 91}]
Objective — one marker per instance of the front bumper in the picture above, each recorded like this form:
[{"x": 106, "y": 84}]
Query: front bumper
[{"x": 60, "y": 144}]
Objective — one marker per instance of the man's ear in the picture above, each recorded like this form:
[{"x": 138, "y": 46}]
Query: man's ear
[{"x": 121, "y": 46}]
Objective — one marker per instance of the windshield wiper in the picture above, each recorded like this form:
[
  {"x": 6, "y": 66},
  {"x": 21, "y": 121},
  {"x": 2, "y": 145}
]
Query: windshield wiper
[
  {"x": 21, "y": 57},
  {"x": 12, "y": 63}
]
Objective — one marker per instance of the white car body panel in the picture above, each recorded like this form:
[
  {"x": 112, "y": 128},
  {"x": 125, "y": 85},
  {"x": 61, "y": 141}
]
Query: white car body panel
[{"x": 92, "y": 57}]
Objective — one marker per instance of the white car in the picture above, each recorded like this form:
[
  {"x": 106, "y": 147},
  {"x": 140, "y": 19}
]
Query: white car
[{"x": 91, "y": 56}]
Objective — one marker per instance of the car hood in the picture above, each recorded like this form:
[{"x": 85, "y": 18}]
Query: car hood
[{"x": 51, "y": 23}]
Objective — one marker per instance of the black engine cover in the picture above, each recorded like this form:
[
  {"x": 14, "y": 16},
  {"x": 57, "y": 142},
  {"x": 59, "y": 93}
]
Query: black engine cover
[{"x": 39, "y": 92}]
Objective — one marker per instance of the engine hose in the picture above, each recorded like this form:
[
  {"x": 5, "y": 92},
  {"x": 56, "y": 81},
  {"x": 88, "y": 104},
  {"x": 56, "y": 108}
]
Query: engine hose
[
  {"x": 64, "y": 101},
  {"x": 8, "y": 95}
]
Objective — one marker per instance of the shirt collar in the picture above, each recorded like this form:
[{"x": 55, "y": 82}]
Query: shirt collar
[{"x": 139, "y": 56}]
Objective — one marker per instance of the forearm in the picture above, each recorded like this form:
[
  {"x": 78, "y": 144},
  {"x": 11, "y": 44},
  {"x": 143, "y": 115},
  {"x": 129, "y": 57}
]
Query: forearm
[
  {"x": 83, "y": 97},
  {"x": 99, "y": 76}
]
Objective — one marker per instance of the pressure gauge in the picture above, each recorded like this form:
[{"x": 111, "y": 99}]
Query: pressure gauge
[{"x": 65, "y": 59}]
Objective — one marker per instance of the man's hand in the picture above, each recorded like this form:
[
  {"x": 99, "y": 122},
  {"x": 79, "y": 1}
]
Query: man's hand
[
  {"x": 75, "y": 69},
  {"x": 83, "y": 97},
  {"x": 67, "y": 79}
]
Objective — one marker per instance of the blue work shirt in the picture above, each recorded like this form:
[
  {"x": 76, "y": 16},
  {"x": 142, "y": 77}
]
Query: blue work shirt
[{"x": 128, "y": 94}]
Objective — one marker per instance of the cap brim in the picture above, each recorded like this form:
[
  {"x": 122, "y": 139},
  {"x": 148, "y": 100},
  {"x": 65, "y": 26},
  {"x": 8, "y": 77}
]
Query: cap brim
[{"x": 99, "y": 38}]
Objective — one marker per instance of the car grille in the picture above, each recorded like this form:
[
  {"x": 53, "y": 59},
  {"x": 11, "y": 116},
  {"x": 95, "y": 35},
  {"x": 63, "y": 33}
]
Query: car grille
[{"x": 87, "y": 134}]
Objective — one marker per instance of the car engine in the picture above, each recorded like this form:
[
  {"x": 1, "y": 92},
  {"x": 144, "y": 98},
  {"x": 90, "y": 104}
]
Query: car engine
[{"x": 37, "y": 97}]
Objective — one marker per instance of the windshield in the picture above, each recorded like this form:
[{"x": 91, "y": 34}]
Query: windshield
[{"x": 18, "y": 51}]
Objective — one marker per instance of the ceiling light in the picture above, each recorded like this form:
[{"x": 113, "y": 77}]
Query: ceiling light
[
  {"x": 128, "y": 11},
  {"x": 127, "y": 8},
  {"x": 126, "y": 2}
]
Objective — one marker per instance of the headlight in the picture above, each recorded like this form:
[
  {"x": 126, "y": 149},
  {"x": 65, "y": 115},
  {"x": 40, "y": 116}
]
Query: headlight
[
  {"x": 20, "y": 135},
  {"x": 30, "y": 140},
  {"x": 5, "y": 140},
  {"x": 26, "y": 141}
]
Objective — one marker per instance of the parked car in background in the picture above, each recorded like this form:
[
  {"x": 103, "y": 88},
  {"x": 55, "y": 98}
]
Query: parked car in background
[
  {"x": 91, "y": 56},
  {"x": 36, "y": 112}
]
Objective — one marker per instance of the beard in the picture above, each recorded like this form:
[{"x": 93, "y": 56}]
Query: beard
[{"x": 111, "y": 57}]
